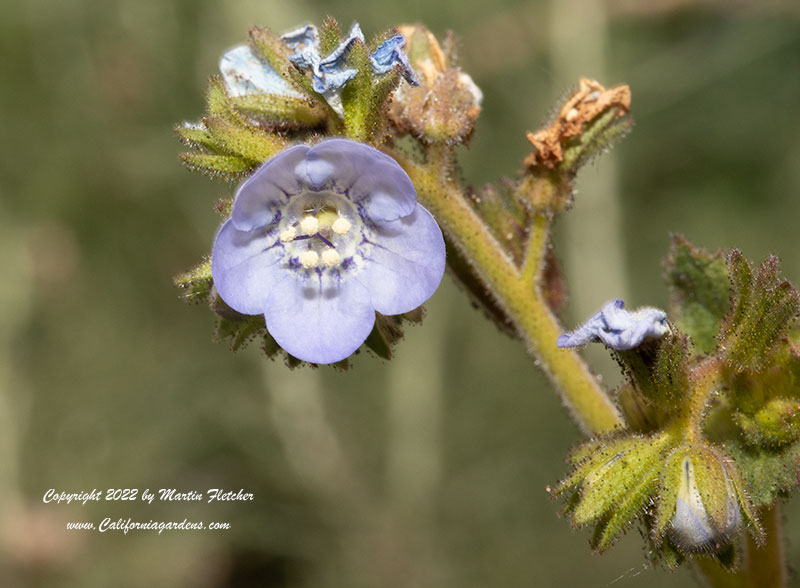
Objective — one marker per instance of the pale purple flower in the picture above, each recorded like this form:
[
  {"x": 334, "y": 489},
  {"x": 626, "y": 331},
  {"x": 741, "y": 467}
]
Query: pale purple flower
[
  {"x": 319, "y": 239},
  {"x": 618, "y": 328}
]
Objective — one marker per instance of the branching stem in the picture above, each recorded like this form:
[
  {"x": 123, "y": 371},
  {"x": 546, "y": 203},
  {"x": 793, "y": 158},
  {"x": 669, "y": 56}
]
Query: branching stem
[{"x": 516, "y": 292}]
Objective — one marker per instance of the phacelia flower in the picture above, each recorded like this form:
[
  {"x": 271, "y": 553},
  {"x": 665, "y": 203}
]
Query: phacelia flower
[
  {"x": 319, "y": 239},
  {"x": 244, "y": 72},
  {"x": 618, "y": 328}
]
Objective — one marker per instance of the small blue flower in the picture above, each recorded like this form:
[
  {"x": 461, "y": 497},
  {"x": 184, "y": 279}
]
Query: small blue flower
[
  {"x": 618, "y": 328},
  {"x": 319, "y": 239},
  {"x": 245, "y": 72}
]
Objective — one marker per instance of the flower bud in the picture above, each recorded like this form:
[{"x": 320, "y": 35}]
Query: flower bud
[
  {"x": 701, "y": 499},
  {"x": 446, "y": 104},
  {"x": 775, "y": 424}
]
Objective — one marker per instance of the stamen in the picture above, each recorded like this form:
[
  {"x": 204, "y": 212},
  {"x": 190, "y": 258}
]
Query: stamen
[
  {"x": 288, "y": 235},
  {"x": 330, "y": 257},
  {"x": 309, "y": 225},
  {"x": 341, "y": 226},
  {"x": 309, "y": 259}
]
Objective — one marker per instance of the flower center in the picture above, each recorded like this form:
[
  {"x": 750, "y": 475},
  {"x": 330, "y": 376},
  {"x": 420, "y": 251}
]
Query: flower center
[{"x": 320, "y": 231}]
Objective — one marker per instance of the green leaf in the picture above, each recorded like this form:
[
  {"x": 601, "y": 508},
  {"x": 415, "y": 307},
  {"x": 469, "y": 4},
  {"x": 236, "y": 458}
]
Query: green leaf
[{"x": 700, "y": 290}]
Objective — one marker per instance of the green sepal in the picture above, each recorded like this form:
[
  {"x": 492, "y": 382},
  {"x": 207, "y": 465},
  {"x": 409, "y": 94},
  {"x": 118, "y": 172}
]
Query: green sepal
[
  {"x": 640, "y": 414},
  {"x": 598, "y": 136},
  {"x": 276, "y": 55},
  {"x": 505, "y": 215},
  {"x": 669, "y": 482},
  {"x": 196, "y": 136},
  {"x": 382, "y": 90},
  {"x": 247, "y": 142},
  {"x": 763, "y": 309},
  {"x": 700, "y": 290},
  {"x": 713, "y": 484},
  {"x": 196, "y": 283},
  {"x": 239, "y": 331},
  {"x": 231, "y": 168},
  {"x": 604, "y": 488},
  {"x": 357, "y": 94},
  {"x": 669, "y": 555},
  {"x": 280, "y": 111},
  {"x": 746, "y": 505},
  {"x": 329, "y": 36},
  {"x": 659, "y": 371},
  {"x": 386, "y": 332},
  {"x": 621, "y": 518}
]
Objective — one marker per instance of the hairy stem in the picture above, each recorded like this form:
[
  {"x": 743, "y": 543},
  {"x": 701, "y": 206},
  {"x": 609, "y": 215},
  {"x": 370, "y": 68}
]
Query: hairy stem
[{"x": 517, "y": 295}]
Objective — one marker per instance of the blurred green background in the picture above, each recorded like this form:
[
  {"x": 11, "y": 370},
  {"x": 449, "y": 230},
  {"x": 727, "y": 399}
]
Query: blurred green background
[{"x": 424, "y": 472}]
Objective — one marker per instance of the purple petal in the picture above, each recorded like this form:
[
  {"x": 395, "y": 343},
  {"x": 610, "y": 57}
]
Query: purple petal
[
  {"x": 304, "y": 44},
  {"x": 373, "y": 179},
  {"x": 390, "y": 53},
  {"x": 405, "y": 264},
  {"x": 245, "y": 266},
  {"x": 319, "y": 321},
  {"x": 259, "y": 196}
]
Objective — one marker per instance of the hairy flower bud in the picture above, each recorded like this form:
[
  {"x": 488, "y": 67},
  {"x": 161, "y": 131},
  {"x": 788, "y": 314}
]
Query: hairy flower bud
[
  {"x": 775, "y": 424},
  {"x": 701, "y": 500}
]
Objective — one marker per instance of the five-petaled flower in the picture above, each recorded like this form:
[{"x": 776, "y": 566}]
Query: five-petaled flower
[{"x": 322, "y": 237}]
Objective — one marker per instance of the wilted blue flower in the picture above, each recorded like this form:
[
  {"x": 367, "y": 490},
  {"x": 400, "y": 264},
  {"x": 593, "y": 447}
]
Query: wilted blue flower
[
  {"x": 618, "y": 328},
  {"x": 319, "y": 239},
  {"x": 245, "y": 72}
]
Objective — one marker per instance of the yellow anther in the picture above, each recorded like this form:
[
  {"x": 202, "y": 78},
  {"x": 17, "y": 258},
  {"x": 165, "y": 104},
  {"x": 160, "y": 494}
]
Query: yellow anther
[
  {"x": 341, "y": 226},
  {"x": 309, "y": 259},
  {"x": 288, "y": 235},
  {"x": 309, "y": 225},
  {"x": 330, "y": 257}
]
